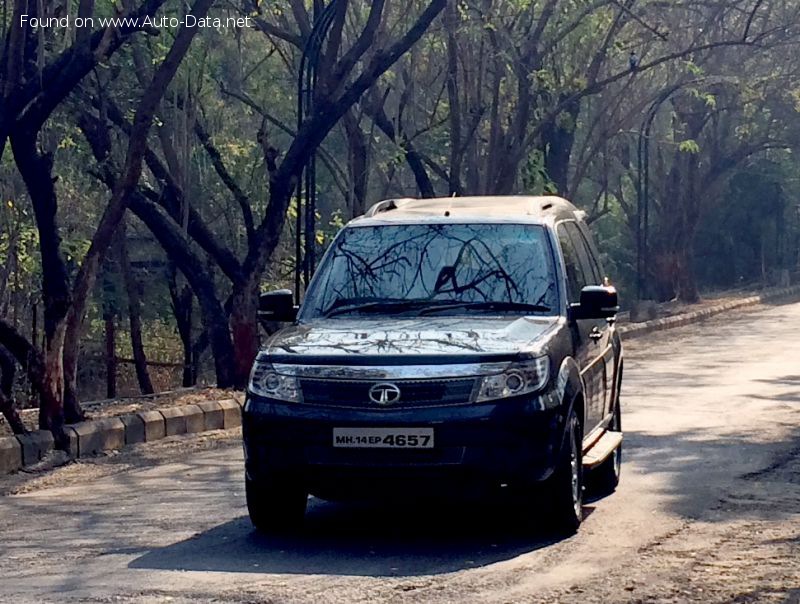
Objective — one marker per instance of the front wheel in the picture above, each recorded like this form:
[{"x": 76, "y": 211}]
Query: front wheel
[
  {"x": 566, "y": 484},
  {"x": 276, "y": 505}
]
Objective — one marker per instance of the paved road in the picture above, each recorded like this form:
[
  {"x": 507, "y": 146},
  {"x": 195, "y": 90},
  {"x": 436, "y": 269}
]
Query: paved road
[{"x": 707, "y": 410}]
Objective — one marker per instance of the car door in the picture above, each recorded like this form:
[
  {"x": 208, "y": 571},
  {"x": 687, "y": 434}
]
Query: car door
[
  {"x": 596, "y": 332},
  {"x": 583, "y": 331},
  {"x": 608, "y": 326}
]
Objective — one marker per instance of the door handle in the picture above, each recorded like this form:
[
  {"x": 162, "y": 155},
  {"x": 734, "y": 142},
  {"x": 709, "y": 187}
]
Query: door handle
[{"x": 595, "y": 334}]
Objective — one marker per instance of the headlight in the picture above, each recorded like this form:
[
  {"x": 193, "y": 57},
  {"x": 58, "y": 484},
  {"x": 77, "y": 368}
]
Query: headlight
[
  {"x": 519, "y": 378},
  {"x": 265, "y": 381}
]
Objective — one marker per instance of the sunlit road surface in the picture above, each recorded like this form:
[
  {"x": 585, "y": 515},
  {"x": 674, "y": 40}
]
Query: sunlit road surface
[{"x": 705, "y": 409}]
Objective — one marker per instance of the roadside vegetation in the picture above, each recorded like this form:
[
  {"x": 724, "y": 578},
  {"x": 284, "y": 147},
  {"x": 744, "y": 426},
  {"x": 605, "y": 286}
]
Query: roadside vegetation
[{"x": 148, "y": 177}]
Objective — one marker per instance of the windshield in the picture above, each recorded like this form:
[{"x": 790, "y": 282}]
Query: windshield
[{"x": 448, "y": 269}]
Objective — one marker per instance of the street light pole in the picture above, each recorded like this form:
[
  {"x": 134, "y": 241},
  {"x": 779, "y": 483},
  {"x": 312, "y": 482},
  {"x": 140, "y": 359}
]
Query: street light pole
[
  {"x": 305, "y": 240},
  {"x": 643, "y": 199},
  {"x": 643, "y": 191}
]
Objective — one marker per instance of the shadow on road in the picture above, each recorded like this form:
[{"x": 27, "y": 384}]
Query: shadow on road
[
  {"x": 359, "y": 539},
  {"x": 704, "y": 470}
]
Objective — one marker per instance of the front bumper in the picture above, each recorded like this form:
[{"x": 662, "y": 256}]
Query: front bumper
[{"x": 476, "y": 446}]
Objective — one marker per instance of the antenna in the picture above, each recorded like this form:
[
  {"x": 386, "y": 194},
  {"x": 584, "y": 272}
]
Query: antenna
[{"x": 449, "y": 207}]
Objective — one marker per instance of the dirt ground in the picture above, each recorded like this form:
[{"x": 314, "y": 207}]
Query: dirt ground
[{"x": 56, "y": 471}]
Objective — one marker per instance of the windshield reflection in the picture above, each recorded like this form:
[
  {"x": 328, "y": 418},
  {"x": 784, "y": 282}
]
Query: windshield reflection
[{"x": 453, "y": 269}]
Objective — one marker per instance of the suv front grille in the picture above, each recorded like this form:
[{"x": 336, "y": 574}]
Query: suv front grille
[{"x": 413, "y": 393}]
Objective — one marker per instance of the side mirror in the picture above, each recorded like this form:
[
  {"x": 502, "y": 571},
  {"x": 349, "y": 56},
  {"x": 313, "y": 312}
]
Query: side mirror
[
  {"x": 277, "y": 306},
  {"x": 597, "y": 302}
]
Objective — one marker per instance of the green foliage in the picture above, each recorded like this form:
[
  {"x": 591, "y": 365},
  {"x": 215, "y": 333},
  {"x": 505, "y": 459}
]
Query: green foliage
[
  {"x": 689, "y": 146},
  {"x": 535, "y": 180}
]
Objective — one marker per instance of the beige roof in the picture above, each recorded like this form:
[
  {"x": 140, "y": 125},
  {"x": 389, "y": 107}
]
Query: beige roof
[{"x": 494, "y": 208}]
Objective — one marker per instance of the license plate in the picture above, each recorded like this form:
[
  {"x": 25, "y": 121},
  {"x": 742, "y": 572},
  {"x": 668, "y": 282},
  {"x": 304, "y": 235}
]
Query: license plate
[{"x": 383, "y": 438}]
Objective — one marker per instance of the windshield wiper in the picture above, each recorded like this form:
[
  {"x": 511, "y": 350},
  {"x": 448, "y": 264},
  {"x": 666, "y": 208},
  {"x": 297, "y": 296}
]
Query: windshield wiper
[
  {"x": 367, "y": 305},
  {"x": 425, "y": 306},
  {"x": 489, "y": 305}
]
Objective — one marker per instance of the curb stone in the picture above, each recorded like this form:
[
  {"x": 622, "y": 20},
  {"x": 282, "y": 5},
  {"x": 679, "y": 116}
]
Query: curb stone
[
  {"x": 154, "y": 425},
  {"x": 35, "y": 445},
  {"x": 113, "y": 433},
  {"x": 72, "y": 435},
  {"x": 632, "y": 331},
  {"x": 134, "y": 429},
  {"x": 100, "y": 435},
  {"x": 195, "y": 419},
  {"x": 10, "y": 454},
  {"x": 174, "y": 420},
  {"x": 212, "y": 414},
  {"x": 231, "y": 412}
]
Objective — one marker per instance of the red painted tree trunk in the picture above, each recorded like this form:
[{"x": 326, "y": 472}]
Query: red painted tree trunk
[{"x": 244, "y": 328}]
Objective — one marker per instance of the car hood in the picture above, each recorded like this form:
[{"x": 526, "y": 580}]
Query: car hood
[{"x": 443, "y": 340}]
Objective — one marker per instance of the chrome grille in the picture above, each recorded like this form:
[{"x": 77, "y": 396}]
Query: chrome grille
[{"x": 413, "y": 393}]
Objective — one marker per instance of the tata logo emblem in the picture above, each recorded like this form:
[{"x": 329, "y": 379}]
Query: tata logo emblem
[{"x": 384, "y": 394}]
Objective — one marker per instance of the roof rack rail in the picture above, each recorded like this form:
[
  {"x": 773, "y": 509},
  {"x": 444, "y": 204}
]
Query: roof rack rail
[{"x": 385, "y": 206}]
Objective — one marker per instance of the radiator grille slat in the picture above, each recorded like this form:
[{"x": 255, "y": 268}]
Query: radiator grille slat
[{"x": 413, "y": 393}]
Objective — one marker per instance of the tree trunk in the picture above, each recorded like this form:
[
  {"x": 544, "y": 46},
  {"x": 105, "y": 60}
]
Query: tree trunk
[
  {"x": 559, "y": 137},
  {"x": 25, "y": 353},
  {"x": 36, "y": 171},
  {"x": 134, "y": 315},
  {"x": 197, "y": 351},
  {"x": 9, "y": 410},
  {"x": 51, "y": 411},
  {"x": 244, "y": 327},
  {"x": 685, "y": 278},
  {"x": 109, "y": 319},
  {"x": 451, "y": 17},
  {"x": 7, "y": 404},
  {"x": 182, "y": 306},
  {"x": 358, "y": 164}
]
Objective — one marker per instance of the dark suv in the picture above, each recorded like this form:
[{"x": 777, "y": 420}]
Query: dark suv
[{"x": 444, "y": 346}]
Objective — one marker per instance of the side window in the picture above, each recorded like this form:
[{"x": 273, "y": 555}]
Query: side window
[
  {"x": 593, "y": 252},
  {"x": 576, "y": 278},
  {"x": 585, "y": 257}
]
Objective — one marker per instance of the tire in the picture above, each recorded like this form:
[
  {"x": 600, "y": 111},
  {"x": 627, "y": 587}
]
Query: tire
[
  {"x": 605, "y": 477},
  {"x": 276, "y": 505},
  {"x": 566, "y": 485}
]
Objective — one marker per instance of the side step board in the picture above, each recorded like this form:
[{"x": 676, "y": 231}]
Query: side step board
[{"x": 601, "y": 449}]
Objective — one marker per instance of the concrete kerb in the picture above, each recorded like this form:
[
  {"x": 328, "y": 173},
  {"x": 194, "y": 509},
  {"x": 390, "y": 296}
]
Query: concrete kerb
[
  {"x": 195, "y": 419},
  {"x": 35, "y": 445},
  {"x": 175, "y": 420},
  {"x": 214, "y": 418},
  {"x": 641, "y": 329},
  {"x": 10, "y": 454},
  {"x": 72, "y": 435},
  {"x": 134, "y": 429},
  {"x": 113, "y": 433},
  {"x": 107, "y": 434},
  {"x": 231, "y": 412},
  {"x": 154, "y": 425}
]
